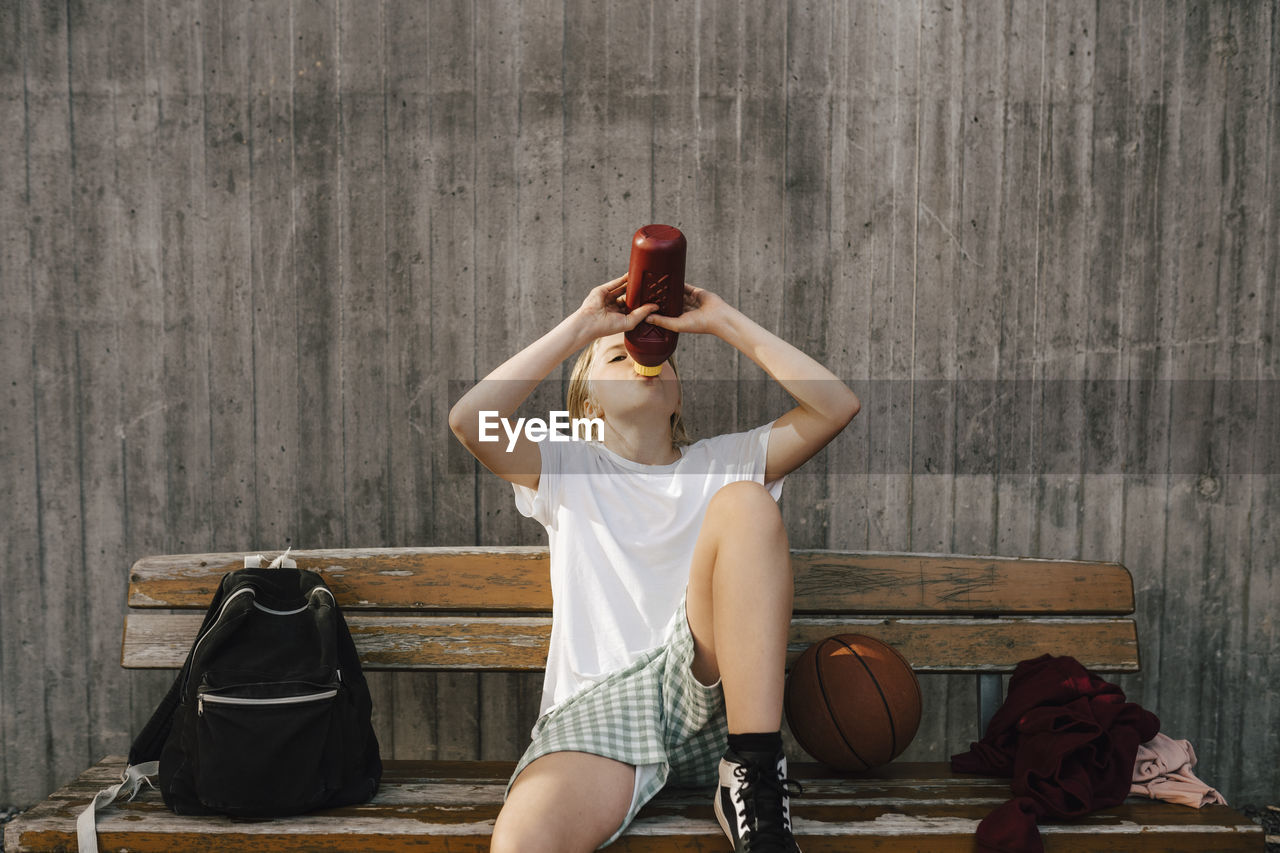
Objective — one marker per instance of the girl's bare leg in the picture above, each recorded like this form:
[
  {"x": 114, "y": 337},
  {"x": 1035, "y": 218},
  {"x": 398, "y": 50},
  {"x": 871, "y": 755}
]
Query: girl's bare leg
[
  {"x": 739, "y": 604},
  {"x": 564, "y": 802}
]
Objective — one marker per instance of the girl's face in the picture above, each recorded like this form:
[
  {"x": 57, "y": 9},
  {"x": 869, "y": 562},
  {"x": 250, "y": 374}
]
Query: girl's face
[{"x": 617, "y": 391}]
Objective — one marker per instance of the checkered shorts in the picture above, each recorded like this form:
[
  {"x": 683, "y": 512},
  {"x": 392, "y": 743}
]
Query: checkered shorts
[{"x": 653, "y": 712}]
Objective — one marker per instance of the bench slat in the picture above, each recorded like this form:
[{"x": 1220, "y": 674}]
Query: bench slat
[
  {"x": 515, "y": 579},
  {"x": 161, "y": 641},
  {"x": 452, "y": 806}
]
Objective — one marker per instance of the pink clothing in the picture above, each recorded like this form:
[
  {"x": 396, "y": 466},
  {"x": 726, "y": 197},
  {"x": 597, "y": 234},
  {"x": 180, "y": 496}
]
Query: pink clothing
[{"x": 1163, "y": 772}]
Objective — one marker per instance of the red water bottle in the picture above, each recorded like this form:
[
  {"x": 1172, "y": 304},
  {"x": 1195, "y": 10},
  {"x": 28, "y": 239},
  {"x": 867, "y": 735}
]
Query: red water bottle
[{"x": 655, "y": 274}]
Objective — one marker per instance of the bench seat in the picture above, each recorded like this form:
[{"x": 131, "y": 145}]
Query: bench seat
[
  {"x": 487, "y": 609},
  {"x": 451, "y": 806}
]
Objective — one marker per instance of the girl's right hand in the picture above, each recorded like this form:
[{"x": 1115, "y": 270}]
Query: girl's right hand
[{"x": 604, "y": 311}]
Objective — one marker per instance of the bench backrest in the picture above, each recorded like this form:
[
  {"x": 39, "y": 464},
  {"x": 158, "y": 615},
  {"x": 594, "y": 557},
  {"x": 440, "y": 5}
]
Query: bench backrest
[{"x": 489, "y": 608}]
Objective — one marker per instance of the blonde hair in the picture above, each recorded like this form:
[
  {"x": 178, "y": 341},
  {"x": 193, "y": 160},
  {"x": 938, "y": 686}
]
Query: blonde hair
[{"x": 579, "y": 393}]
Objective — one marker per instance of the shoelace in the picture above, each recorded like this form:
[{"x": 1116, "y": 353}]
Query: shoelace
[{"x": 761, "y": 781}]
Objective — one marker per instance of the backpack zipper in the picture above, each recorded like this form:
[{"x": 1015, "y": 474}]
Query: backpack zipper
[
  {"x": 301, "y": 609},
  {"x": 222, "y": 611},
  {"x": 215, "y": 699},
  {"x": 249, "y": 591}
]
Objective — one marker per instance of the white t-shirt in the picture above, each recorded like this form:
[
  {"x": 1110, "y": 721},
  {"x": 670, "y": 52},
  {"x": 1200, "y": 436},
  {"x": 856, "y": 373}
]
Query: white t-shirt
[{"x": 621, "y": 536}]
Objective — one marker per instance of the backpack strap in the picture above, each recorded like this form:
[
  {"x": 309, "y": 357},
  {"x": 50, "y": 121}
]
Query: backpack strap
[
  {"x": 130, "y": 783},
  {"x": 284, "y": 561},
  {"x": 144, "y": 762},
  {"x": 144, "y": 754}
]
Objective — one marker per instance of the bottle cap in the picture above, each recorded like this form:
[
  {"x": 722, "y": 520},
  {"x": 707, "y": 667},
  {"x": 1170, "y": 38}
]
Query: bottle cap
[{"x": 646, "y": 370}]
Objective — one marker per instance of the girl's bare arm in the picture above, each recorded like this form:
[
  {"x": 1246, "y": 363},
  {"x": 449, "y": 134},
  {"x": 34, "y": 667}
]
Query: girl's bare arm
[
  {"x": 825, "y": 405},
  {"x": 504, "y": 389}
]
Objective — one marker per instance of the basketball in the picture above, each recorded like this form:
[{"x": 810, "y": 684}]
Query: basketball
[{"x": 852, "y": 702}]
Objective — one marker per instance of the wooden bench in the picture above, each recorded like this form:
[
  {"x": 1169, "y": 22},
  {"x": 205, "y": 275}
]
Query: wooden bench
[{"x": 412, "y": 609}]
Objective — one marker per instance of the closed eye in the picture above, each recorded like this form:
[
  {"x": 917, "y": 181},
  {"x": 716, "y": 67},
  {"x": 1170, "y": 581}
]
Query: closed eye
[{"x": 616, "y": 358}]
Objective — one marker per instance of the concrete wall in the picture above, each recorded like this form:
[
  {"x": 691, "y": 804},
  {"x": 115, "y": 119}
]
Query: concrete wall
[{"x": 249, "y": 253}]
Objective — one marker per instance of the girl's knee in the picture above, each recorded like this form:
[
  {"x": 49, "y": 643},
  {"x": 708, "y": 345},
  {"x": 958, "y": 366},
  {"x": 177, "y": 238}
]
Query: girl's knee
[{"x": 748, "y": 502}]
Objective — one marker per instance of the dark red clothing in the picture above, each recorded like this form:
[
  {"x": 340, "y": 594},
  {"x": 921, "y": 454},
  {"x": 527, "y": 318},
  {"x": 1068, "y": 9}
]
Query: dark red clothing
[{"x": 1069, "y": 741}]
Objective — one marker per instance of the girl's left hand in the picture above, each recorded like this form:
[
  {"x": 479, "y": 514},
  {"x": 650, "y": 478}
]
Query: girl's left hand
[{"x": 704, "y": 313}]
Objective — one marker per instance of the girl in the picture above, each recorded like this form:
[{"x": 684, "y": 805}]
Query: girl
[{"x": 670, "y": 577}]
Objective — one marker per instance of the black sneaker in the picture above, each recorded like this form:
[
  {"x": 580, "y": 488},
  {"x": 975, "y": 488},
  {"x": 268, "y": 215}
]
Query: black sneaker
[{"x": 753, "y": 802}]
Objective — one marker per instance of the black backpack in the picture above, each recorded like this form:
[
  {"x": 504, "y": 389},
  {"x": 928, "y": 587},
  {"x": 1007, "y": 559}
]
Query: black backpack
[{"x": 270, "y": 715}]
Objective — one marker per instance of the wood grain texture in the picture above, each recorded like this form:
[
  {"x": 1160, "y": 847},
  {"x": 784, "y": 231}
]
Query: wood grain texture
[
  {"x": 409, "y": 471},
  {"x": 19, "y": 481},
  {"x": 516, "y": 578},
  {"x": 451, "y": 806},
  {"x": 241, "y": 290},
  {"x": 450, "y": 63},
  {"x": 56, "y": 225},
  {"x": 465, "y": 643},
  {"x": 502, "y": 228},
  {"x": 936, "y": 286},
  {"x": 229, "y": 299},
  {"x": 276, "y": 408}
]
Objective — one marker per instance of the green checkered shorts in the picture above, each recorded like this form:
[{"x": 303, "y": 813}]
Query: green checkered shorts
[{"x": 653, "y": 712}]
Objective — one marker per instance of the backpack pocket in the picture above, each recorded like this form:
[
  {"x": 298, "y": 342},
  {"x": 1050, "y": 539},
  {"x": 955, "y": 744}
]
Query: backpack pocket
[{"x": 261, "y": 746}]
